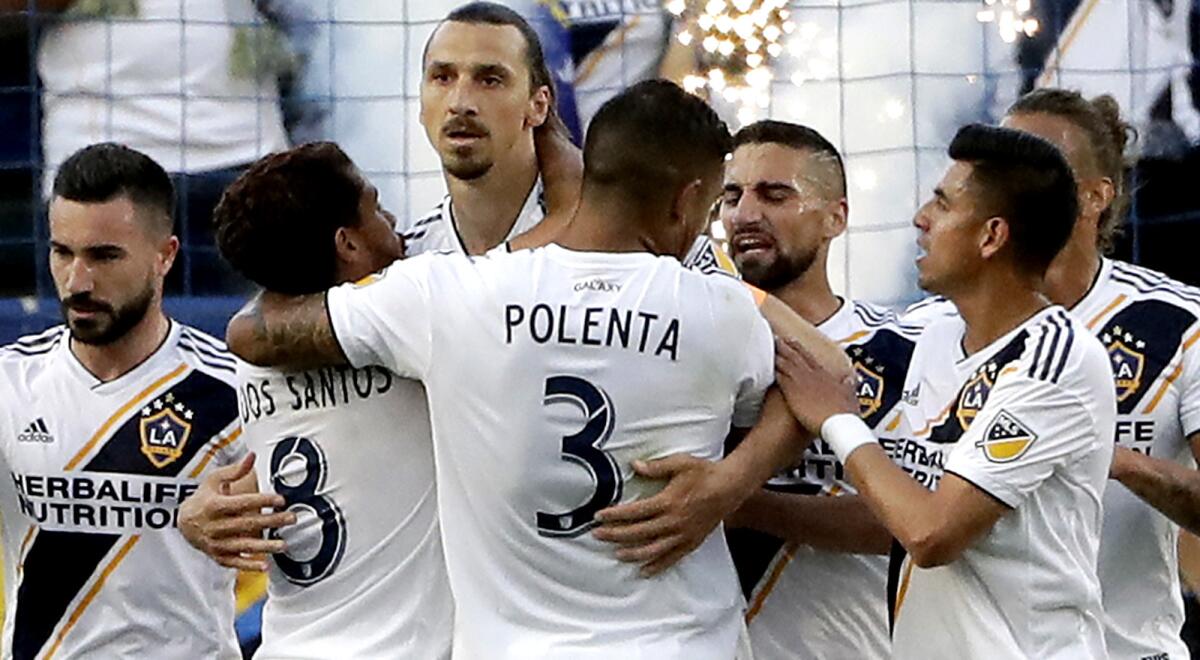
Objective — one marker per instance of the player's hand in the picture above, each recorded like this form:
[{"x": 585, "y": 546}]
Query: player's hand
[
  {"x": 812, "y": 393},
  {"x": 224, "y": 518},
  {"x": 659, "y": 531}
]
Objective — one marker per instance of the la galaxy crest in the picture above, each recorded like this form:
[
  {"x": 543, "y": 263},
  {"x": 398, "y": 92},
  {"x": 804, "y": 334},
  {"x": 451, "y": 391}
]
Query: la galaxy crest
[
  {"x": 869, "y": 388},
  {"x": 165, "y": 427},
  {"x": 1128, "y": 360},
  {"x": 1005, "y": 439},
  {"x": 974, "y": 394}
]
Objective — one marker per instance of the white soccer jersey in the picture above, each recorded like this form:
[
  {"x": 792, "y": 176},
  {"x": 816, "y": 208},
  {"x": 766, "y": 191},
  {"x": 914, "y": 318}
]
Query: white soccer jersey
[
  {"x": 809, "y": 603},
  {"x": 1149, "y": 325},
  {"x": 437, "y": 231},
  {"x": 364, "y": 575},
  {"x": 1030, "y": 424},
  {"x": 548, "y": 375},
  {"x": 94, "y": 566}
]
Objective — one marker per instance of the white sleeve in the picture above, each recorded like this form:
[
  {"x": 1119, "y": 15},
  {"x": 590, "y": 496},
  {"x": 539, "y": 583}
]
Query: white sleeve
[
  {"x": 758, "y": 370},
  {"x": 1027, "y": 429},
  {"x": 385, "y": 318},
  {"x": 1189, "y": 384}
]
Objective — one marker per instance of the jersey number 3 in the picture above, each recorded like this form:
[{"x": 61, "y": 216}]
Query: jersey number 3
[
  {"x": 584, "y": 448},
  {"x": 298, "y": 471}
]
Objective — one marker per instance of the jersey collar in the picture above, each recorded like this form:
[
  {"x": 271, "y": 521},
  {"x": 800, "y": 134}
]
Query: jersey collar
[
  {"x": 532, "y": 212},
  {"x": 80, "y": 372}
]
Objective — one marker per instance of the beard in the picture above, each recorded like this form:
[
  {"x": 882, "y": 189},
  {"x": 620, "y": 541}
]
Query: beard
[
  {"x": 466, "y": 169},
  {"x": 108, "y": 324},
  {"x": 779, "y": 272}
]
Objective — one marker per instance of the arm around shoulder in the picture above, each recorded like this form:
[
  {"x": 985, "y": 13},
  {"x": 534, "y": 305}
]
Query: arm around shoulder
[{"x": 276, "y": 330}]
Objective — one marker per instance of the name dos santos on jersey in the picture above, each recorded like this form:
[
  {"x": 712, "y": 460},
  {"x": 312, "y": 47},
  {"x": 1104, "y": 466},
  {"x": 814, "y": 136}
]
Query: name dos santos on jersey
[{"x": 326, "y": 387}]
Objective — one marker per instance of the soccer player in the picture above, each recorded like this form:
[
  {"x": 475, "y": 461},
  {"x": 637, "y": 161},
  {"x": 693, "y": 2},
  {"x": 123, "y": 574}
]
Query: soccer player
[
  {"x": 485, "y": 92},
  {"x": 106, "y": 424},
  {"x": 1000, "y": 560},
  {"x": 551, "y": 371},
  {"x": 487, "y": 106},
  {"x": 784, "y": 203},
  {"x": 1149, "y": 324},
  {"x": 348, "y": 449}
]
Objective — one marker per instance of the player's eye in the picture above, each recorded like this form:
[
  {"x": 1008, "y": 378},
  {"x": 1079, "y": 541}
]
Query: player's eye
[{"x": 492, "y": 81}]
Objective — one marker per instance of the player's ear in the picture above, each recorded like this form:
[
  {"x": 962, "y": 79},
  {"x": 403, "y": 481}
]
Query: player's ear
[
  {"x": 1096, "y": 195},
  {"x": 166, "y": 255},
  {"x": 539, "y": 107},
  {"x": 686, "y": 201},
  {"x": 835, "y": 220},
  {"x": 994, "y": 235},
  {"x": 345, "y": 244}
]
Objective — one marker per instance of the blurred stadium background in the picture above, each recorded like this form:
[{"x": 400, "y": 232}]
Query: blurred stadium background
[{"x": 888, "y": 81}]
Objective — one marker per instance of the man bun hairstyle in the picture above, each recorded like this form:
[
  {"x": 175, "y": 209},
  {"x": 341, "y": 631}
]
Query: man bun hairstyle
[
  {"x": 1025, "y": 180},
  {"x": 1108, "y": 136}
]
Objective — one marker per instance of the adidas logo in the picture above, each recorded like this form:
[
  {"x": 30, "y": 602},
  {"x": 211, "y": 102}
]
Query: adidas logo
[{"x": 36, "y": 432}]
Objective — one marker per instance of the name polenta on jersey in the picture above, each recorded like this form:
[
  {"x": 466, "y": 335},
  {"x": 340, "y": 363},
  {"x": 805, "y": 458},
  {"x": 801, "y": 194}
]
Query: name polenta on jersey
[{"x": 595, "y": 326}]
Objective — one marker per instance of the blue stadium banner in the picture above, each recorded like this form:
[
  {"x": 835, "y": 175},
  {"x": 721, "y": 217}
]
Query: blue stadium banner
[{"x": 549, "y": 19}]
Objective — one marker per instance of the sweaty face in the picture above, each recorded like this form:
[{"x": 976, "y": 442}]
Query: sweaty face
[
  {"x": 107, "y": 267},
  {"x": 773, "y": 208},
  {"x": 947, "y": 239},
  {"x": 476, "y": 100}
]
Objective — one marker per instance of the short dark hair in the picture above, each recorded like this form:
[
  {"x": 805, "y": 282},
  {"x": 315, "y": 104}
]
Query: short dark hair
[
  {"x": 276, "y": 223},
  {"x": 651, "y": 138},
  {"x": 101, "y": 172},
  {"x": 795, "y": 136},
  {"x": 491, "y": 13},
  {"x": 1107, "y": 135},
  {"x": 1025, "y": 180}
]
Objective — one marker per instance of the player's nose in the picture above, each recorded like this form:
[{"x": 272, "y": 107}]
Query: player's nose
[{"x": 80, "y": 278}]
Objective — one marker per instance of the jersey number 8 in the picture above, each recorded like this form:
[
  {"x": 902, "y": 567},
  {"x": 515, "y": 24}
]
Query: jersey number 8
[
  {"x": 584, "y": 448},
  {"x": 298, "y": 472}
]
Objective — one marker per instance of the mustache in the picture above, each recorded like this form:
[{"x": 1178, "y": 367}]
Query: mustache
[
  {"x": 84, "y": 302},
  {"x": 464, "y": 125}
]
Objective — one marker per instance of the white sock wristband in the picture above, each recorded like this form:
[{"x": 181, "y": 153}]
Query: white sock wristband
[{"x": 846, "y": 432}]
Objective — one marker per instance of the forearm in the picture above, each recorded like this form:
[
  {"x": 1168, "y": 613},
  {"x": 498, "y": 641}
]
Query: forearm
[
  {"x": 276, "y": 330},
  {"x": 786, "y": 323},
  {"x": 903, "y": 506},
  {"x": 835, "y": 524},
  {"x": 774, "y": 443},
  {"x": 1171, "y": 488}
]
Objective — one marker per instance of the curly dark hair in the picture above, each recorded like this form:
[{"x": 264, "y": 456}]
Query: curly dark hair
[
  {"x": 276, "y": 223},
  {"x": 1107, "y": 134}
]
